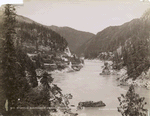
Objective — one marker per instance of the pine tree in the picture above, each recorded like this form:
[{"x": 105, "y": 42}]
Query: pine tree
[
  {"x": 132, "y": 104},
  {"x": 9, "y": 55}
]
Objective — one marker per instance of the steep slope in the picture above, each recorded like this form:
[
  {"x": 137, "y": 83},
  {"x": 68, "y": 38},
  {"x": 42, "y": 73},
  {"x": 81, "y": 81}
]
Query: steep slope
[
  {"x": 32, "y": 34},
  {"x": 74, "y": 37},
  {"x": 29, "y": 32},
  {"x": 20, "y": 18},
  {"x": 110, "y": 38}
]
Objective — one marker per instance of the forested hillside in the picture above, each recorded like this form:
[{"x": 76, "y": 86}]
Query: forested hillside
[
  {"x": 110, "y": 38},
  {"x": 19, "y": 86},
  {"x": 32, "y": 34},
  {"x": 129, "y": 43},
  {"x": 74, "y": 37}
]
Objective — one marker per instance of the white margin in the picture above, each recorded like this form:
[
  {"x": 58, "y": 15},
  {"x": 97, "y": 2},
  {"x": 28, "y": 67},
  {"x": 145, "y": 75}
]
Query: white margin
[{"x": 2, "y": 2}]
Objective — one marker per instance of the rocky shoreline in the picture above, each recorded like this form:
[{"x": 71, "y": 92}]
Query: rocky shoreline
[
  {"x": 121, "y": 76},
  {"x": 142, "y": 81}
]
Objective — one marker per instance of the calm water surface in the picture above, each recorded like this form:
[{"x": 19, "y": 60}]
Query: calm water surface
[{"x": 87, "y": 84}]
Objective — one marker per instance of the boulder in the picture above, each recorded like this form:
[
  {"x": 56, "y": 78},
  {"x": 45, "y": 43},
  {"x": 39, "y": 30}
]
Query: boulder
[
  {"x": 105, "y": 72},
  {"x": 72, "y": 105},
  {"x": 91, "y": 104}
]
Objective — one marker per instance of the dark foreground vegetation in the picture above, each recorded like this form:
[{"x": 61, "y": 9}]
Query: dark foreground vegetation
[
  {"x": 131, "y": 104},
  {"x": 26, "y": 88}
]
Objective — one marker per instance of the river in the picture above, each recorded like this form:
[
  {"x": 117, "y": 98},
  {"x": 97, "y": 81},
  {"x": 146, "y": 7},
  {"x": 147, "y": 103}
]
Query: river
[{"x": 87, "y": 84}]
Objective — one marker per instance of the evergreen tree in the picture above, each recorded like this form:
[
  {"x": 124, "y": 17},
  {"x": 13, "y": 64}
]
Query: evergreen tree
[
  {"x": 12, "y": 82},
  {"x": 132, "y": 104},
  {"x": 9, "y": 55}
]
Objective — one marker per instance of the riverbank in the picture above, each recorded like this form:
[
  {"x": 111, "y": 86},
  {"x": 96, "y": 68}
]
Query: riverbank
[
  {"x": 58, "y": 101},
  {"x": 142, "y": 81},
  {"x": 88, "y": 85}
]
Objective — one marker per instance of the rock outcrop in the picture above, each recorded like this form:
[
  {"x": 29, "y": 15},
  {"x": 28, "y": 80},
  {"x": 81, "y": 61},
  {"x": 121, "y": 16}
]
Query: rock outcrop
[
  {"x": 142, "y": 81},
  {"x": 91, "y": 104},
  {"x": 105, "y": 70}
]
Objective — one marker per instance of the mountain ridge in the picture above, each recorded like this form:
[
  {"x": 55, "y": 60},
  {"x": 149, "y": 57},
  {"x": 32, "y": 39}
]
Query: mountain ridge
[
  {"x": 110, "y": 38},
  {"x": 75, "y": 38}
]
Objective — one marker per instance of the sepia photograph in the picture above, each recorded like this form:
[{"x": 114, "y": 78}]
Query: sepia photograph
[{"x": 75, "y": 58}]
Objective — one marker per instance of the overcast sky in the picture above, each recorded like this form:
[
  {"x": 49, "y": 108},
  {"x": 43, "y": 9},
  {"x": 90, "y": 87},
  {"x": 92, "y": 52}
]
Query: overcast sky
[{"x": 85, "y": 15}]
